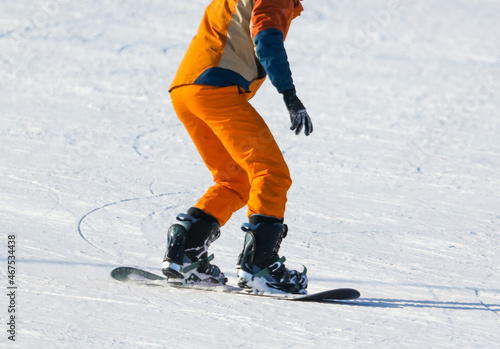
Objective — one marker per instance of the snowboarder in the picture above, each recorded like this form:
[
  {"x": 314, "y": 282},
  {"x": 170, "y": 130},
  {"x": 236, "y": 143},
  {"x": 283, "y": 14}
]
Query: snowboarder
[{"x": 238, "y": 43}]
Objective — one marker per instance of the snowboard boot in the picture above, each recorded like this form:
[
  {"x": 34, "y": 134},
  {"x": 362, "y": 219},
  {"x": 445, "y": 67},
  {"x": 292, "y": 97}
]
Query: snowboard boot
[
  {"x": 259, "y": 266},
  {"x": 186, "y": 260}
]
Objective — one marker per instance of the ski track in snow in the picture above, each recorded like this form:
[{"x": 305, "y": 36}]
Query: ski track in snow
[{"x": 396, "y": 193}]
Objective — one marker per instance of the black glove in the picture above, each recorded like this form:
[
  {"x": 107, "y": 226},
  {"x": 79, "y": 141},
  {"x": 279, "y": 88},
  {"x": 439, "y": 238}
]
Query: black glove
[{"x": 298, "y": 114}]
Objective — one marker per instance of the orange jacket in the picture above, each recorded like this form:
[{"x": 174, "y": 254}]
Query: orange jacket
[{"x": 238, "y": 42}]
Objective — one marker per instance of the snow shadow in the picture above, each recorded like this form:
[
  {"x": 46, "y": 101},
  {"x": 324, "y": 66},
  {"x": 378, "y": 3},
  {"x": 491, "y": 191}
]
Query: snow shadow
[{"x": 406, "y": 303}]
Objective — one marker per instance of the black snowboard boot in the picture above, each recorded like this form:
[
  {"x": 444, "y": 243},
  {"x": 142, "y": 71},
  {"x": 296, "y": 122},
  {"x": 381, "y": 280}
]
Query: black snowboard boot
[
  {"x": 186, "y": 260},
  {"x": 259, "y": 266}
]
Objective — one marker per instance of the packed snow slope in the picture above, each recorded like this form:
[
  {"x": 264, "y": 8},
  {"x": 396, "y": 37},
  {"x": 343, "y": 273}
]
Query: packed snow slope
[{"x": 396, "y": 193}]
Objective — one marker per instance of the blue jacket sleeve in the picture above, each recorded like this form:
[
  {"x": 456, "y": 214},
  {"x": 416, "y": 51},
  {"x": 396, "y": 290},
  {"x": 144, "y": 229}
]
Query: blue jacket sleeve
[{"x": 272, "y": 55}]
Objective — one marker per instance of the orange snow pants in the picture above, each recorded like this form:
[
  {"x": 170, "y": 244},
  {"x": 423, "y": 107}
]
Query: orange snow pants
[{"x": 238, "y": 148}]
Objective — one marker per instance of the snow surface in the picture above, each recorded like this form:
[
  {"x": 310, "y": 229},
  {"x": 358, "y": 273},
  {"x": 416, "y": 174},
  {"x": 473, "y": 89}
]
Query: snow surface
[{"x": 396, "y": 193}]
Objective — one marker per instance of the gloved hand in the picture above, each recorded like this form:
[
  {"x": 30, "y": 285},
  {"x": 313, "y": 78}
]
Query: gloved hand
[{"x": 298, "y": 114}]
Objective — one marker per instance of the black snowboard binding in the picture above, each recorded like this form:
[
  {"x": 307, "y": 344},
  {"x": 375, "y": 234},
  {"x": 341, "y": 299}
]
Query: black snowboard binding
[
  {"x": 186, "y": 260},
  {"x": 259, "y": 266}
]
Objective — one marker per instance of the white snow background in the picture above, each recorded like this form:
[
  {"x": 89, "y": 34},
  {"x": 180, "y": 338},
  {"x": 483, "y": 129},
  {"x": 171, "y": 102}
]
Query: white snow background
[{"x": 396, "y": 193}]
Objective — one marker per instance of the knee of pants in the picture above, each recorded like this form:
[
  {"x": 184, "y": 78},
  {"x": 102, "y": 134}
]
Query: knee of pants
[{"x": 236, "y": 180}]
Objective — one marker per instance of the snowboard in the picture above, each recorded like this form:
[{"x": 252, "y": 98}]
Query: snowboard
[{"x": 140, "y": 276}]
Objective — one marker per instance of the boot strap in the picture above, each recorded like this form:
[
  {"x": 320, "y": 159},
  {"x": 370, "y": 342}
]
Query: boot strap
[
  {"x": 197, "y": 264},
  {"x": 266, "y": 270}
]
